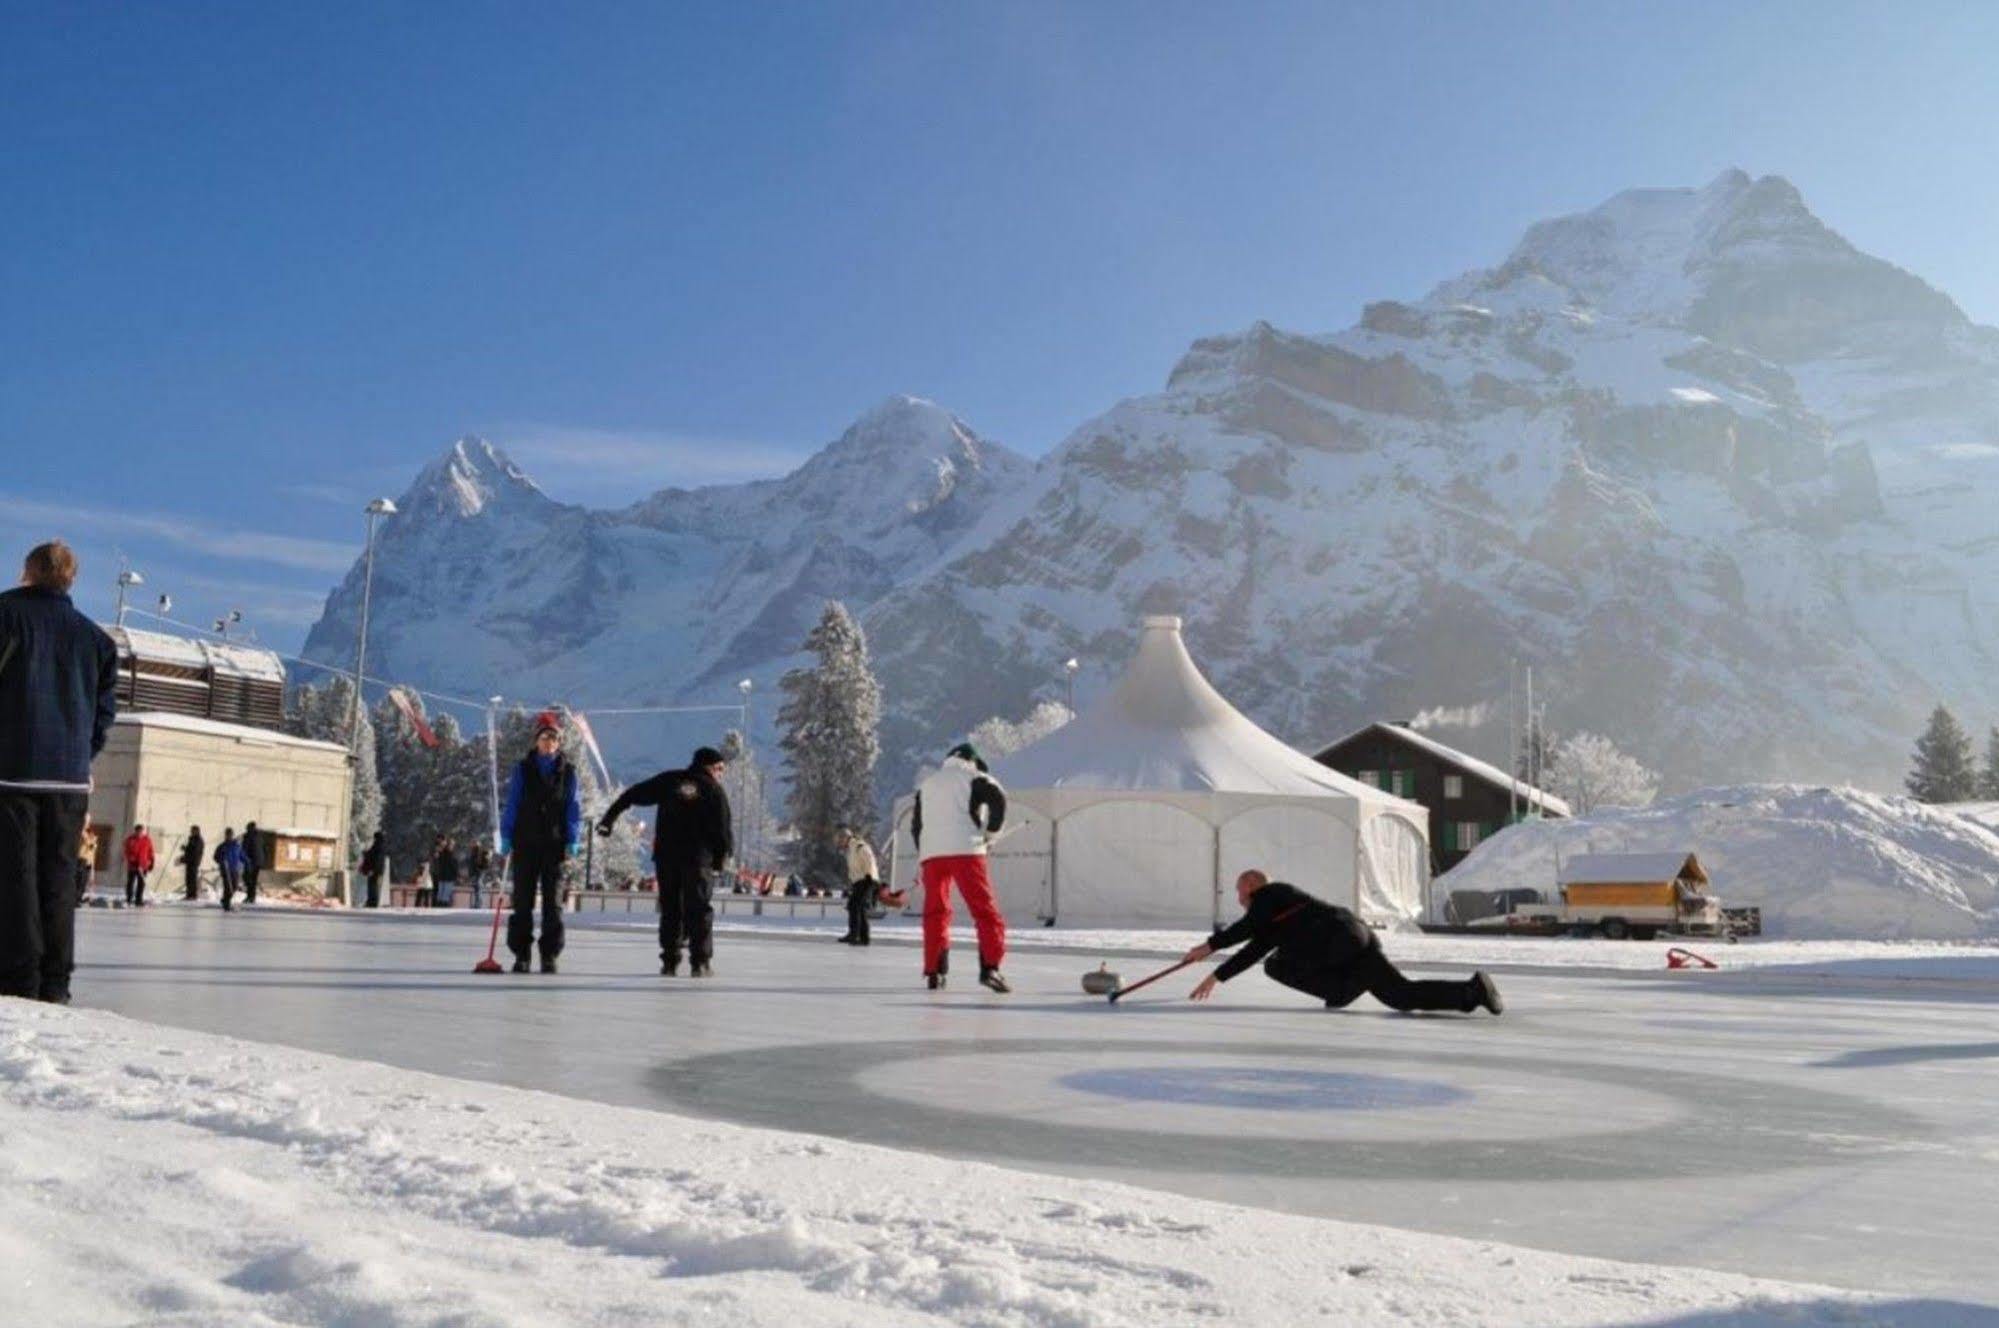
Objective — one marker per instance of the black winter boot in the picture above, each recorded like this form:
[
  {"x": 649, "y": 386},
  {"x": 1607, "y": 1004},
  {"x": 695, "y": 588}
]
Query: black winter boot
[
  {"x": 521, "y": 966},
  {"x": 994, "y": 979},
  {"x": 1484, "y": 992}
]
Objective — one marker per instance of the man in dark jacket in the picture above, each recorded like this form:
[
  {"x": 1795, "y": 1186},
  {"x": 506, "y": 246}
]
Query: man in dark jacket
[
  {"x": 191, "y": 858},
  {"x": 374, "y": 865},
  {"x": 692, "y": 842},
  {"x": 540, "y": 825},
  {"x": 253, "y": 861},
  {"x": 58, "y": 696},
  {"x": 1325, "y": 951},
  {"x": 229, "y": 863}
]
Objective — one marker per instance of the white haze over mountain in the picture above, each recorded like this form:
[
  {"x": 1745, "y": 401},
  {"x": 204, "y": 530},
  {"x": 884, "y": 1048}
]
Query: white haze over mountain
[{"x": 1726, "y": 482}]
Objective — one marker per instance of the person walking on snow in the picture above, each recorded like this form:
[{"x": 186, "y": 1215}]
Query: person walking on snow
[
  {"x": 444, "y": 872},
  {"x": 253, "y": 865},
  {"x": 1325, "y": 951},
  {"x": 86, "y": 863},
  {"x": 58, "y": 696},
  {"x": 374, "y": 866},
  {"x": 540, "y": 826},
  {"x": 229, "y": 861},
  {"x": 191, "y": 858},
  {"x": 959, "y": 810},
  {"x": 692, "y": 841},
  {"x": 863, "y": 884},
  {"x": 477, "y": 863},
  {"x": 138, "y": 861}
]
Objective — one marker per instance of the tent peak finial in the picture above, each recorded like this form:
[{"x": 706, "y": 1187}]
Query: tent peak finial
[{"x": 1169, "y": 622}]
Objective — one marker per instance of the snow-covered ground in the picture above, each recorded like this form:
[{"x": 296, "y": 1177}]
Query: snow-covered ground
[
  {"x": 159, "y": 1176},
  {"x": 811, "y": 1137}
]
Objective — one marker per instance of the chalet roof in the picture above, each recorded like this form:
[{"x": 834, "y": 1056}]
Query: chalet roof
[
  {"x": 1630, "y": 869},
  {"x": 1471, "y": 765}
]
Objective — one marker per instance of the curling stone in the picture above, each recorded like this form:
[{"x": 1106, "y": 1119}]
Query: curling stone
[{"x": 1102, "y": 982}]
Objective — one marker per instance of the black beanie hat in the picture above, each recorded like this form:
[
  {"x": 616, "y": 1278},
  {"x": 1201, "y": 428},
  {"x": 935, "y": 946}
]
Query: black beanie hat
[{"x": 706, "y": 756}]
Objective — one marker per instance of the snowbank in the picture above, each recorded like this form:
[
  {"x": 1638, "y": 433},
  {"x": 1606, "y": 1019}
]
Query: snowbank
[
  {"x": 156, "y": 1175},
  {"x": 1819, "y": 862}
]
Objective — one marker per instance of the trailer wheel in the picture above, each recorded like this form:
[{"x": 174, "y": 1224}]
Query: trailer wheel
[
  {"x": 1644, "y": 933},
  {"x": 1613, "y": 929}
]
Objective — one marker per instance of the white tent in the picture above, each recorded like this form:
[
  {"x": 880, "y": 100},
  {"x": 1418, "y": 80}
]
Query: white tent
[{"x": 1142, "y": 811}]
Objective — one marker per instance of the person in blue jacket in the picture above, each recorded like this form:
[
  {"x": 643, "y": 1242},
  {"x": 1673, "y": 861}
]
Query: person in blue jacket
[
  {"x": 229, "y": 859},
  {"x": 540, "y": 825}
]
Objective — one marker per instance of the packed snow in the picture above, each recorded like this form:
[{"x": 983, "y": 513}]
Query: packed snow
[
  {"x": 1819, "y": 862},
  {"x": 170, "y": 1177}
]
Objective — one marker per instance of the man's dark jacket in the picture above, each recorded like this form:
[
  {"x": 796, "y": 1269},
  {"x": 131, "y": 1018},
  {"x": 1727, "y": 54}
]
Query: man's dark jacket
[
  {"x": 694, "y": 818},
  {"x": 1283, "y": 917},
  {"x": 58, "y": 692}
]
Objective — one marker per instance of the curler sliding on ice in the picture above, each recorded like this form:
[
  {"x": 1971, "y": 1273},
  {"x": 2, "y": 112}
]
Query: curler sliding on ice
[{"x": 1326, "y": 952}]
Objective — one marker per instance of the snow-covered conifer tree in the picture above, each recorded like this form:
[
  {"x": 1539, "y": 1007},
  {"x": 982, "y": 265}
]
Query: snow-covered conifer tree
[
  {"x": 830, "y": 721},
  {"x": 320, "y": 712},
  {"x": 1943, "y": 769}
]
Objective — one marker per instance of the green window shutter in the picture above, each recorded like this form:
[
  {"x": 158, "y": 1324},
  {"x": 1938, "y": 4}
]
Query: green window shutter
[{"x": 1450, "y": 836}]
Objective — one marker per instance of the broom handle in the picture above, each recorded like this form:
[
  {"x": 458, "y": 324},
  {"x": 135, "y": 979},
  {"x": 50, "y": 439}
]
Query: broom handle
[
  {"x": 1164, "y": 973},
  {"x": 499, "y": 901}
]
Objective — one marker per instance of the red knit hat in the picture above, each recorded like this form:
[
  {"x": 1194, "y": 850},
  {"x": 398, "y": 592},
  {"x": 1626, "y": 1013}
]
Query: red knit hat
[{"x": 547, "y": 722}]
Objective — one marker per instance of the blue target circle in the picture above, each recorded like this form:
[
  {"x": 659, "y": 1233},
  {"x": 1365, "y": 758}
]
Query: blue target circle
[{"x": 1252, "y": 1089}]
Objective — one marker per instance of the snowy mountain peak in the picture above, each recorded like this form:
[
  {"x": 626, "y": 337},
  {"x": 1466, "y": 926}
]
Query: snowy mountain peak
[
  {"x": 906, "y": 452},
  {"x": 472, "y": 476},
  {"x": 1744, "y": 262}
]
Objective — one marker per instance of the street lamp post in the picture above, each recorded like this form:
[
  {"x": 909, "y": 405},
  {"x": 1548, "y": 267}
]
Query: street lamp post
[
  {"x": 126, "y": 579},
  {"x": 750, "y": 857},
  {"x": 381, "y": 507},
  {"x": 493, "y": 765},
  {"x": 1069, "y": 666}
]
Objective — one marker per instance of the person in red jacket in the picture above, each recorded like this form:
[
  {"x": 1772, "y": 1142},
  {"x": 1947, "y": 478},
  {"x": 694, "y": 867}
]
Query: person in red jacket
[{"x": 138, "y": 861}]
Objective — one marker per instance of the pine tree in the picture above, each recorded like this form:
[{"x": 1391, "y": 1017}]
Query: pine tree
[
  {"x": 1943, "y": 770},
  {"x": 1988, "y": 780},
  {"x": 320, "y": 712},
  {"x": 830, "y": 721}
]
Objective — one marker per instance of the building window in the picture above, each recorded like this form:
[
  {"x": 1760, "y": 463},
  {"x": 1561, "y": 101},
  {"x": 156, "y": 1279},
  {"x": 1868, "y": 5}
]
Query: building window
[
  {"x": 1405, "y": 783},
  {"x": 1371, "y": 778},
  {"x": 1468, "y": 836},
  {"x": 1454, "y": 786}
]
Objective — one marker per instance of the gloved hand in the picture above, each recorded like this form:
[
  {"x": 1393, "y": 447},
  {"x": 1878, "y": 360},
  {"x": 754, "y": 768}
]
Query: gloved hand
[
  {"x": 506, "y": 846},
  {"x": 576, "y": 850},
  {"x": 604, "y": 827}
]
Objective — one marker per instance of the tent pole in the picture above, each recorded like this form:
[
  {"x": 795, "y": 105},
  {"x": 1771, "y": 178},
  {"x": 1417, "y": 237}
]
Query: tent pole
[{"x": 1054, "y": 863}]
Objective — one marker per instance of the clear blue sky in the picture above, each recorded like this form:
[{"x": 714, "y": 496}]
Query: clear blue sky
[{"x": 259, "y": 261}]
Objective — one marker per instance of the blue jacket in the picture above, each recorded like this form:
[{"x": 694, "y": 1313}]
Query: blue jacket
[
  {"x": 532, "y": 831},
  {"x": 58, "y": 691},
  {"x": 229, "y": 853}
]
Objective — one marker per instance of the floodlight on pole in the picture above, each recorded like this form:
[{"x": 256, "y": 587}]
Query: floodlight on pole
[
  {"x": 166, "y": 605},
  {"x": 755, "y": 814},
  {"x": 1069, "y": 666},
  {"x": 126, "y": 579},
  {"x": 381, "y": 507},
  {"x": 493, "y": 765}
]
